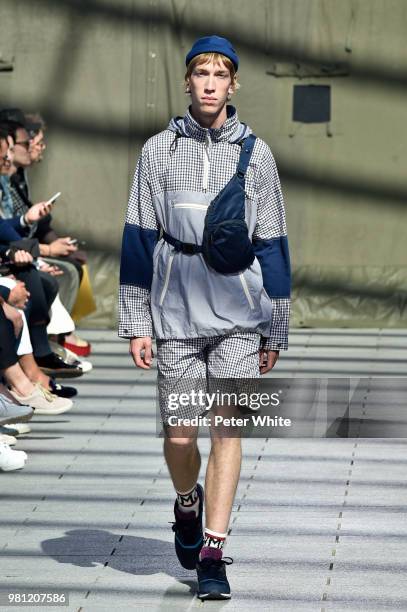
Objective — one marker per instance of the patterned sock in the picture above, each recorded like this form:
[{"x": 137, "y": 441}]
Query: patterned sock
[
  {"x": 213, "y": 545},
  {"x": 188, "y": 502}
]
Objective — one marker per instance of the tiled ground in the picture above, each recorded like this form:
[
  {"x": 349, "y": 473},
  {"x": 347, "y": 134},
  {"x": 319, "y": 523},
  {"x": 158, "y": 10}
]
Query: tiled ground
[{"x": 318, "y": 524}]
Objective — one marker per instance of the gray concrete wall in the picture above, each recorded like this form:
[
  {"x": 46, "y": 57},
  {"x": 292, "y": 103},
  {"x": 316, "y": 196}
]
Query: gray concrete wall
[{"x": 108, "y": 74}]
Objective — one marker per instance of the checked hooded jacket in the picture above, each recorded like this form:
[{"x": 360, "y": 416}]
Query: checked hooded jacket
[{"x": 169, "y": 294}]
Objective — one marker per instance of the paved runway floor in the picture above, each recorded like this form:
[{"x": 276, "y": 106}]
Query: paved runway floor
[{"x": 317, "y": 524}]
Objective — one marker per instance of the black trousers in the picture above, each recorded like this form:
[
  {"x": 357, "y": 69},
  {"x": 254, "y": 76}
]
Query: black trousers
[
  {"x": 8, "y": 342},
  {"x": 43, "y": 289}
]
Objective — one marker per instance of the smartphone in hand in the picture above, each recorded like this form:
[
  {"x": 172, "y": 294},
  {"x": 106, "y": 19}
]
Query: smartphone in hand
[{"x": 54, "y": 198}]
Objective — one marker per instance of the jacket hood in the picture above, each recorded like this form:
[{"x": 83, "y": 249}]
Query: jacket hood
[{"x": 232, "y": 130}]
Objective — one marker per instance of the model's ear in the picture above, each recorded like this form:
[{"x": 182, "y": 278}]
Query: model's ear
[{"x": 187, "y": 87}]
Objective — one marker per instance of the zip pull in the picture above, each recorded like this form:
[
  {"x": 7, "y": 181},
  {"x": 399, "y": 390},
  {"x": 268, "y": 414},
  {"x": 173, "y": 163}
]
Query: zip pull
[{"x": 206, "y": 161}]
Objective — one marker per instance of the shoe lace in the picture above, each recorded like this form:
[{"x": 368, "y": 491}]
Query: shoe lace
[
  {"x": 227, "y": 560},
  {"x": 208, "y": 561},
  {"x": 50, "y": 397}
]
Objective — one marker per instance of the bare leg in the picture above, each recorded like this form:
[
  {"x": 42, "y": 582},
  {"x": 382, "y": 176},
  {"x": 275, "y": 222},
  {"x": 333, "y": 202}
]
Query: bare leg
[
  {"x": 32, "y": 371},
  {"x": 74, "y": 339},
  {"x": 182, "y": 456},
  {"x": 222, "y": 477},
  {"x": 17, "y": 380}
]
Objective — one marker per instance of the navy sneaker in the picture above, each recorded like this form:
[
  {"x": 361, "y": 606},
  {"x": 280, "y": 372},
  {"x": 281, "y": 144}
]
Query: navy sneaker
[
  {"x": 212, "y": 580},
  {"x": 189, "y": 535},
  {"x": 61, "y": 390}
]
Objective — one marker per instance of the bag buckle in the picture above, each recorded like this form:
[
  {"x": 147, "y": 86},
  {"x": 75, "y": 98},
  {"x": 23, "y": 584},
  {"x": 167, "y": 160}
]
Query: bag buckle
[{"x": 188, "y": 248}]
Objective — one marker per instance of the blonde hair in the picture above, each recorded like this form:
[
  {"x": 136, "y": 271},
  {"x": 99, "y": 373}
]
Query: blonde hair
[{"x": 216, "y": 58}]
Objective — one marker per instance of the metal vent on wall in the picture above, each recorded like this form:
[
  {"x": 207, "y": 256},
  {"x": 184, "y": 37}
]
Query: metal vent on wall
[
  {"x": 312, "y": 103},
  {"x": 6, "y": 64}
]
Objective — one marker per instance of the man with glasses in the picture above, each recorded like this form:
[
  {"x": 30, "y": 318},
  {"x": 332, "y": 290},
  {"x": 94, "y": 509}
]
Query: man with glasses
[
  {"x": 56, "y": 250},
  {"x": 29, "y": 148}
]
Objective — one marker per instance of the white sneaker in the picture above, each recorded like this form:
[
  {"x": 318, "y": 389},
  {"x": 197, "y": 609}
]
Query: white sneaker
[
  {"x": 83, "y": 364},
  {"x": 73, "y": 358},
  {"x": 10, "y": 440},
  {"x": 22, "y": 428},
  {"x": 44, "y": 402},
  {"x": 10, "y": 459}
]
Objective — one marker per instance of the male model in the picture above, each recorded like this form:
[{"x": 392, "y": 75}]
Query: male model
[{"x": 207, "y": 324}]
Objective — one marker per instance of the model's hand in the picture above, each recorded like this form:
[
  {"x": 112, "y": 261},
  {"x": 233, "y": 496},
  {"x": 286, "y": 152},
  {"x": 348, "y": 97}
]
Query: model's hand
[
  {"x": 19, "y": 295},
  {"x": 268, "y": 360},
  {"x": 142, "y": 352}
]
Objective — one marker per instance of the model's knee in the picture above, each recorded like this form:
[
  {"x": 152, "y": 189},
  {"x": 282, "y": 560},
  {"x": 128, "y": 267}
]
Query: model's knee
[{"x": 180, "y": 442}]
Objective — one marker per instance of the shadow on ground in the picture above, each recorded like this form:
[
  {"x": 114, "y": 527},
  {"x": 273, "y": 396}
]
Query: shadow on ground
[{"x": 125, "y": 553}]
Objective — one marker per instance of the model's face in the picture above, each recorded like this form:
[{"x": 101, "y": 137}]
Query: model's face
[
  {"x": 210, "y": 85},
  {"x": 6, "y": 155},
  {"x": 21, "y": 148},
  {"x": 37, "y": 147}
]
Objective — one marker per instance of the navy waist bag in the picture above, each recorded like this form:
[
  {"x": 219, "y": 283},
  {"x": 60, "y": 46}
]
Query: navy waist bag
[{"x": 226, "y": 246}]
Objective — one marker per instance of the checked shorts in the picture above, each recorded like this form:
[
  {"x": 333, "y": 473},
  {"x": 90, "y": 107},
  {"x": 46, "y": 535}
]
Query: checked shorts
[{"x": 199, "y": 363}]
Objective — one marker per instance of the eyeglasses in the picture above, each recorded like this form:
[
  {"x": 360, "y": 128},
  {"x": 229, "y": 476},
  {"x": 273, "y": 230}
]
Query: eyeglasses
[{"x": 23, "y": 143}]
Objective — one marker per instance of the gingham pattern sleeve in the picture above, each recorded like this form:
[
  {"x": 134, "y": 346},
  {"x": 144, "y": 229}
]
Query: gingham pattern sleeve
[
  {"x": 19, "y": 206},
  {"x": 278, "y": 341},
  {"x": 134, "y": 301},
  {"x": 271, "y": 223},
  {"x": 134, "y": 312}
]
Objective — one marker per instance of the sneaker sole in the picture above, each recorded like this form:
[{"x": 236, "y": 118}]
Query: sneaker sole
[
  {"x": 19, "y": 419},
  {"x": 51, "y": 412},
  {"x": 18, "y": 432},
  {"x": 13, "y": 467},
  {"x": 63, "y": 373},
  {"x": 214, "y": 596},
  {"x": 81, "y": 351}
]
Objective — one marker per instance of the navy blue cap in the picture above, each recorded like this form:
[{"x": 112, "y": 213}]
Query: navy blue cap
[{"x": 213, "y": 44}]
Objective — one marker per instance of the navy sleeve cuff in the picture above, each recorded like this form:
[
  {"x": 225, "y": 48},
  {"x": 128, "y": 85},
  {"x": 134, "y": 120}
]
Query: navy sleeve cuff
[{"x": 4, "y": 292}]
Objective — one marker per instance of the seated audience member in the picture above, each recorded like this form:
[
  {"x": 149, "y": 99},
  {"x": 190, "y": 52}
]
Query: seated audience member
[
  {"x": 42, "y": 287},
  {"x": 19, "y": 298},
  {"x": 27, "y": 384},
  {"x": 55, "y": 249},
  {"x": 43, "y": 292}
]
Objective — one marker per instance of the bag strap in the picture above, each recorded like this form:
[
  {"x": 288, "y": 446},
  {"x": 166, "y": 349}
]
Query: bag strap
[
  {"x": 185, "y": 247},
  {"x": 245, "y": 155}
]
